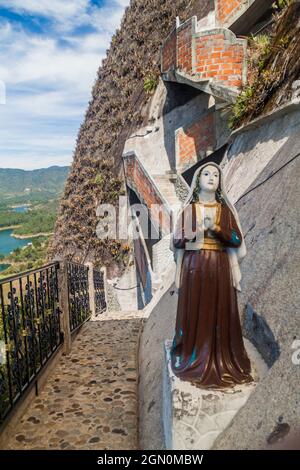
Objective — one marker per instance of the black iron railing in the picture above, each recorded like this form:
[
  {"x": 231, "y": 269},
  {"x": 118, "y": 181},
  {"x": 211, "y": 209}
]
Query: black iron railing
[
  {"x": 30, "y": 330},
  {"x": 30, "y": 323},
  {"x": 100, "y": 303},
  {"x": 78, "y": 294}
]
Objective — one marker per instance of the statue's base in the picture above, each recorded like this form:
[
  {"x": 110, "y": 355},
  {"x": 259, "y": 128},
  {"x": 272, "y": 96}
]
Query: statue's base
[{"x": 194, "y": 417}]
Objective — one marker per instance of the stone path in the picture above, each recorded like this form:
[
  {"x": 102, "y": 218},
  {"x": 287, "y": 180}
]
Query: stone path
[{"x": 90, "y": 401}]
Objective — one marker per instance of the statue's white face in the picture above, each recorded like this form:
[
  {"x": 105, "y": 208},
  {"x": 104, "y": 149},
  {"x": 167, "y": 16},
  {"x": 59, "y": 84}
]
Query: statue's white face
[{"x": 209, "y": 179}]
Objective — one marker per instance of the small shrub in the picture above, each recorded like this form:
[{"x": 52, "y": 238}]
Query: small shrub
[
  {"x": 240, "y": 105},
  {"x": 150, "y": 84},
  {"x": 281, "y": 4},
  {"x": 98, "y": 179}
]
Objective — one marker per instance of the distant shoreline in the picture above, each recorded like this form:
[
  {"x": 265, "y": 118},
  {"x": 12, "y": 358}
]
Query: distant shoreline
[
  {"x": 20, "y": 205},
  {"x": 34, "y": 235},
  {"x": 8, "y": 227}
]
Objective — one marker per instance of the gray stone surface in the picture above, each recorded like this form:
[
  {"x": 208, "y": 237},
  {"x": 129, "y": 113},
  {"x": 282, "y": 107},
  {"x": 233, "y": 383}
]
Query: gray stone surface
[
  {"x": 270, "y": 218},
  {"x": 121, "y": 292},
  {"x": 194, "y": 417},
  {"x": 157, "y": 139},
  {"x": 260, "y": 334},
  {"x": 181, "y": 188},
  {"x": 112, "y": 300},
  {"x": 158, "y": 327}
]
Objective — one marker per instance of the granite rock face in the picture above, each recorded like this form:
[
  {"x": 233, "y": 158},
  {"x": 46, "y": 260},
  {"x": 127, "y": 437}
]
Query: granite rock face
[
  {"x": 270, "y": 215},
  {"x": 270, "y": 220},
  {"x": 158, "y": 327}
]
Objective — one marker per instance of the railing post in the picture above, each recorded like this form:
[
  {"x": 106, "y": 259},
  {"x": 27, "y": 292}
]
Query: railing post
[
  {"x": 91, "y": 289},
  {"x": 104, "y": 270},
  {"x": 64, "y": 303}
]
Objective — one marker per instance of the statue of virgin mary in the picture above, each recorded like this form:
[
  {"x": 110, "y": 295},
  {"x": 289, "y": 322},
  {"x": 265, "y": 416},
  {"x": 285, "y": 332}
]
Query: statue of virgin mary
[{"x": 208, "y": 243}]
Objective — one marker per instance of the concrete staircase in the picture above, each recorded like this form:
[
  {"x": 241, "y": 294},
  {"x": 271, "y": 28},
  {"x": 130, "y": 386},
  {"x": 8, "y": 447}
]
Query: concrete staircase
[{"x": 165, "y": 184}]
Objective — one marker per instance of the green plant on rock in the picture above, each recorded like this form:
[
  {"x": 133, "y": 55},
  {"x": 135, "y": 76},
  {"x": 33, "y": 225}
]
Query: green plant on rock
[
  {"x": 261, "y": 40},
  {"x": 240, "y": 105},
  {"x": 1, "y": 330},
  {"x": 99, "y": 179},
  {"x": 150, "y": 84},
  {"x": 284, "y": 41},
  {"x": 281, "y": 4},
  {"x": 260, "y": 49}
]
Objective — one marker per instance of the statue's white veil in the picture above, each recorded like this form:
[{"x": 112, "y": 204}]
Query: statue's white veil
[{"x": 234, "y": 254}]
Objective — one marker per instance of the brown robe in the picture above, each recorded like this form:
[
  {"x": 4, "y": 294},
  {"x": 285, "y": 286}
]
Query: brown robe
[{"x": 208, "y": 347}]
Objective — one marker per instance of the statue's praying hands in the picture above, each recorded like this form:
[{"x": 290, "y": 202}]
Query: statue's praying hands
[{"x": 209, "y": 222}]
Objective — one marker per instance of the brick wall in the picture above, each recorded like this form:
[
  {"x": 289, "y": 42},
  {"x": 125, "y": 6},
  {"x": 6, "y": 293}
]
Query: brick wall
[
  {"x": 138, "y": 180},
  {"x": 198, "y": 137},
  {"x": 184, "y": 46},
  {"x": 219, "y": 58},
  {"x": 226, "y": 9},
  {"x": 212, "y": 54},
  {"x": 168, "y": 57}
]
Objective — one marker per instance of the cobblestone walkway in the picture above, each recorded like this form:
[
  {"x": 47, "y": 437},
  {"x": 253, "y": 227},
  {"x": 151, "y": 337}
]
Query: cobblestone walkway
[{"x": 90, "y": 401}]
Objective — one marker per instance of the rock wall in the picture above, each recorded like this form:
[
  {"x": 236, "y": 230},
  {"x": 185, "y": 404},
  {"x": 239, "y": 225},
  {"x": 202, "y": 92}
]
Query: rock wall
[
  {"x": 270, "y": 216},
  {"x": 270, "y": 220},
  {"x": 159, "y": 326}
]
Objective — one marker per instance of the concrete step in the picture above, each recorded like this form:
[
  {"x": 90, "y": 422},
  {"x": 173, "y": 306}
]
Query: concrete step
[{"x": 165, "y": 183}]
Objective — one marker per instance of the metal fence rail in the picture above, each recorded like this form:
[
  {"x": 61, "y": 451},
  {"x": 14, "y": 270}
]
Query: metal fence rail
[
  {"x": 100, "y": 302},
  {"x": 30, "y": 330},
  {"x": 78, "y": 294},
  {"x": 39, "y": 309}
]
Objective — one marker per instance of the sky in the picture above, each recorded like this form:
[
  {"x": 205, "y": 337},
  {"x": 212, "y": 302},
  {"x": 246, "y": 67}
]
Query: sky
[{"x": 50, "y": 51}]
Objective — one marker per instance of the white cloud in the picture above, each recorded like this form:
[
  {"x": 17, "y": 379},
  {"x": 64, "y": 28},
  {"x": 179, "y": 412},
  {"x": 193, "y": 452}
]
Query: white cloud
[
  {"x": 55, "y": 8},
  {"x": 49, "y": 77},
  {"x": 68, "y": 14}
]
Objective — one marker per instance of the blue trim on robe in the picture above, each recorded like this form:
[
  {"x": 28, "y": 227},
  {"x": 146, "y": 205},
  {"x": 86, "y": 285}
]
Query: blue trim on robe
[
  {"x": 234, "y": 238},
  {"x": 174, "y": 340},
  {"x": 193, "y": 356}
]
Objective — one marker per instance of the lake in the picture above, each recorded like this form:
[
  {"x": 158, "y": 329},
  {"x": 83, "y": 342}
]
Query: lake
[
  {"x": 20, "y": 209},
  {"x": 8, "y": 243},
  {"x": 3, "y": 267}
]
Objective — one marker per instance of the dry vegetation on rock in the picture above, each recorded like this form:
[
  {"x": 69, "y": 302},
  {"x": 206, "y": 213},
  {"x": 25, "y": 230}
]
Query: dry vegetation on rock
[
  {"x": 114, "y": 111},
  {"x": 273, "y": 66}
]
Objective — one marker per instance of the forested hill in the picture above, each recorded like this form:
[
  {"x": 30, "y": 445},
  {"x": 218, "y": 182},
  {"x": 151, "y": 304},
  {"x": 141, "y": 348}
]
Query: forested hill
[{"x": 15, "y": 181}]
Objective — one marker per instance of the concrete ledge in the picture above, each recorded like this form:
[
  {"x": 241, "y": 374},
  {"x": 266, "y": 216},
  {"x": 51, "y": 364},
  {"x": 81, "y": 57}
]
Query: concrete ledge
[
  {"x": 224, "y": 93},
  {"x": 243, "y": 20},
  {"x": 289, "y": 107},
  {"x": 192, "y": 417}
]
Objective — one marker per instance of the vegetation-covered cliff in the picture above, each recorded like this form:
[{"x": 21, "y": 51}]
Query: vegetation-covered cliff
[
  {"x": 118, "y": 97},
  {"x": 117, "y": 108},
  {"x": 273, "y": 66}
]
